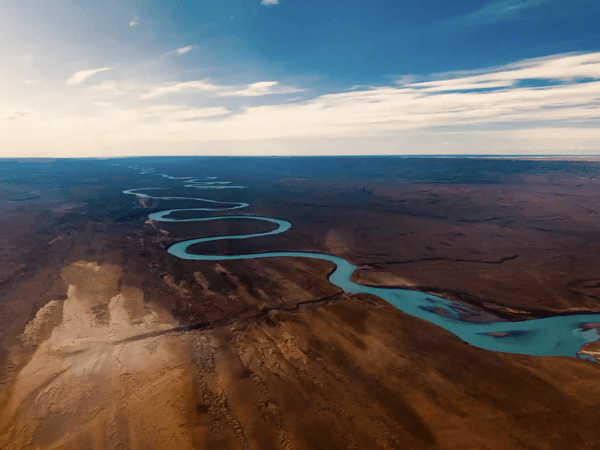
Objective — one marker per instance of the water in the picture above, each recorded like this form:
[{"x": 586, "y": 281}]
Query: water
[{"x": 553, "y": 336}]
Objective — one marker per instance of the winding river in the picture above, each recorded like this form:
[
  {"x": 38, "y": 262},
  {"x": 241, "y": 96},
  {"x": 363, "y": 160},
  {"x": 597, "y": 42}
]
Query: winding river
[{"x": 552, "y": 336}]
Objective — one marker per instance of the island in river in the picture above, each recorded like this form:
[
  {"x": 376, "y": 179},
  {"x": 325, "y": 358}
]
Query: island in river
[{"x": 112, "y": 340}]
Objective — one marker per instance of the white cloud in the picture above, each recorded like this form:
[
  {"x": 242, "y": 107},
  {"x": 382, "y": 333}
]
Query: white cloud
[
  {"x": 188, "y": 114},
  {"x": 406, "y": 79},
  {"x": 486, "y": 111},
  {"x": 559, "y": 67},
  {"x": 175, "y": 113},
  {"x": 259, "y": 89},
  {"x": 183, "y": 50},
  {"x": 134, "y": 22},
  {"x": 179, "y": 88},
  {"x": 496, "y": 11},
  {"x": 25, "y": 59},
  {"x": 464, "y": 86},
  {"x": 103, "y": 104},
  {"x": 108, "y": 87},
  {"x": 203, "y": 86},
  {"x": 82, "y": 75},
  {"x": 269, "y": 2},
  {"x": 483, "y": 99}
]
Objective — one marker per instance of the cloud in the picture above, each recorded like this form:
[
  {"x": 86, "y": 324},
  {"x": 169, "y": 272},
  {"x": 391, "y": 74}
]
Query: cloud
[
  {"x": 183, "y": 50},
  {"x": 179, "y": 88},
  {"x": 109, "y": 87},
  {"x": 407, "y": 79},
  {"x": 385, "y": 109},
  {"x": 134, "y": 22},
  {"x": 199, "y": 113},
  {"x": 17, "y": 116},
  {"x": 269, "y": 2},
  {"x": 497, "y": 11},
  {"x": 82, "y": 75},
  {"x": 25, "y": 59},
  {"x": 203, "y": 86},
  {"x": 569, "y": 91},
  {"x": 464, "y": 86},
  {"x": 259, "y": 89},
  {"x": 546, "y": 103},
  {"x": 173, "y": 113},
  {"x": 557, "y": 68}
]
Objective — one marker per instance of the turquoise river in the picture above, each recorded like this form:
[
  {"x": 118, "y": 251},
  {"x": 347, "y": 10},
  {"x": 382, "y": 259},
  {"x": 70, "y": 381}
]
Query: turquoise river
[{"x": 552, "y": 336}]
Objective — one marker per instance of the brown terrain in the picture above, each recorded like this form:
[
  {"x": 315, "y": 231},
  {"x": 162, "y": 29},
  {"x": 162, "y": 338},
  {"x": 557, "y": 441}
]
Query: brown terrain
[{"x": 108, "y": 341}]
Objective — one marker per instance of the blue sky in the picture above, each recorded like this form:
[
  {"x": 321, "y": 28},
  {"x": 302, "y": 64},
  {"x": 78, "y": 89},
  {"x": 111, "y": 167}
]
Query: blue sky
[{"x": 109, "y": 78}]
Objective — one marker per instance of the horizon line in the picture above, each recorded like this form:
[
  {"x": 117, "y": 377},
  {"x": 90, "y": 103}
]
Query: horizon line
[{"x": 416, "y": 155}]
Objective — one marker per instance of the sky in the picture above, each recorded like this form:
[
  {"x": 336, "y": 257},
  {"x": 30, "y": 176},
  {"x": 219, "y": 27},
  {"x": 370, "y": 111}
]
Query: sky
[{"x": 115, "y": 78}]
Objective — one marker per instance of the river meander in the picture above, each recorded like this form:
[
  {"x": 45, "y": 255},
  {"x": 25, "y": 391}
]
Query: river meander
[{"x": 552, "y": 336}]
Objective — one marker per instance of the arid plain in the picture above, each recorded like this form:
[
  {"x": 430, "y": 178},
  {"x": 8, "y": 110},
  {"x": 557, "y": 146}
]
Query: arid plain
[{"x": 109, "y": 341}]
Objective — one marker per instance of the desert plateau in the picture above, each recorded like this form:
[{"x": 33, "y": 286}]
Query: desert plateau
[{"x": 110, "y": 341}]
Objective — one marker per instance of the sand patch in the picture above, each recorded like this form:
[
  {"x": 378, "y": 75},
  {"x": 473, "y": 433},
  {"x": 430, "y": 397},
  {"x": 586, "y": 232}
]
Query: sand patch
[
  {"x": 96, "y": 380},
  {"x": 40, "y": 327}
]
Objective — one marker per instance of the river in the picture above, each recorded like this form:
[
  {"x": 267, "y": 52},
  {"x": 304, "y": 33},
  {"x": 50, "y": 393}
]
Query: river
[{"x": 552, "y": 336}]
